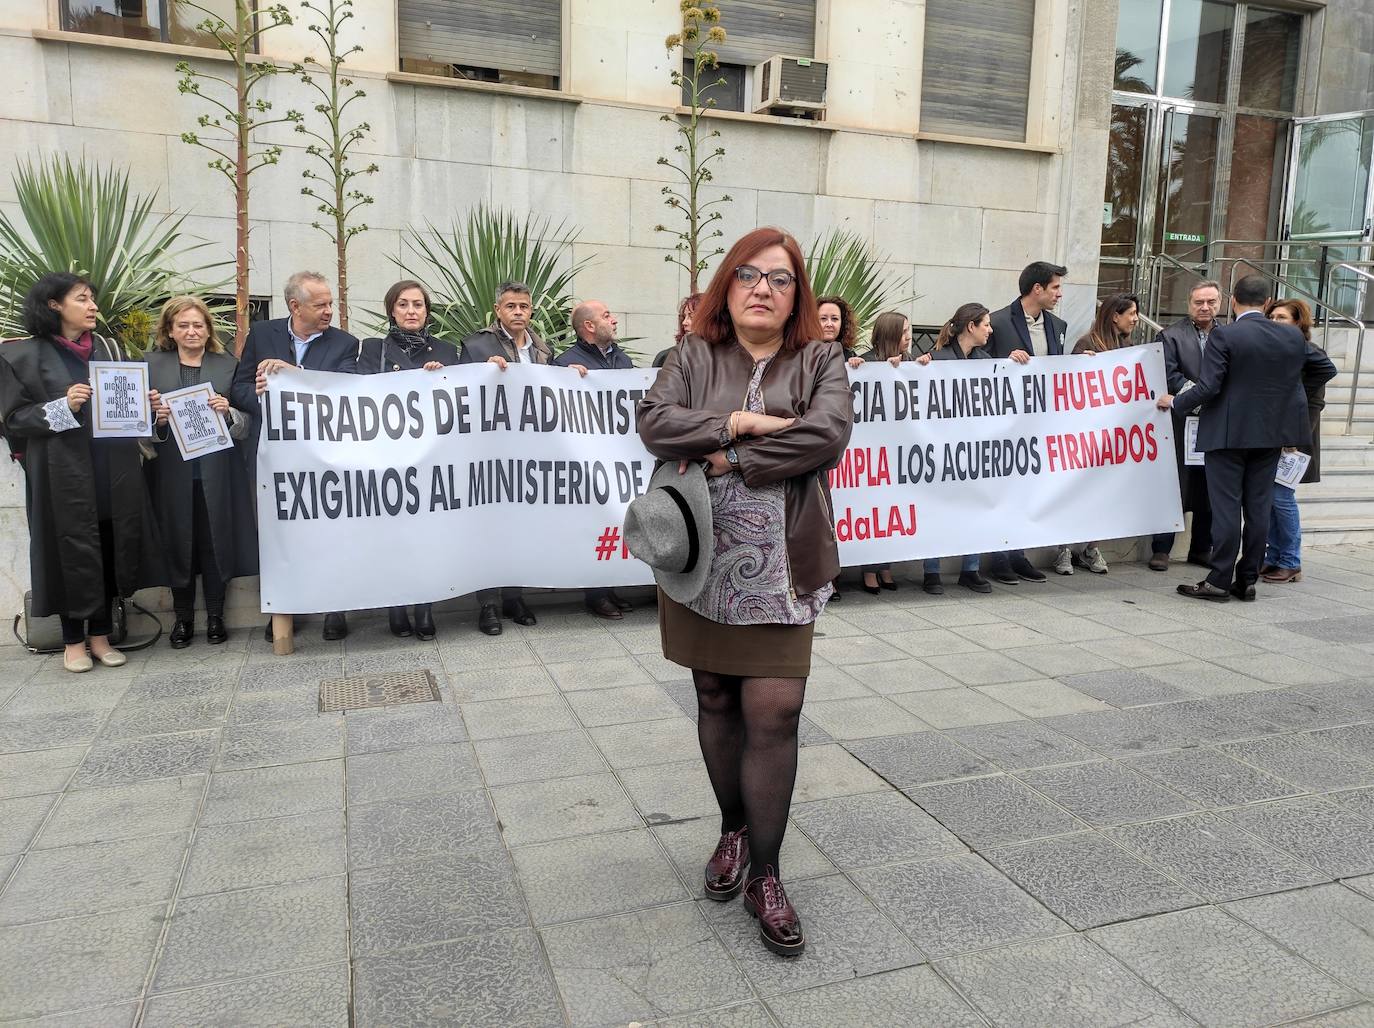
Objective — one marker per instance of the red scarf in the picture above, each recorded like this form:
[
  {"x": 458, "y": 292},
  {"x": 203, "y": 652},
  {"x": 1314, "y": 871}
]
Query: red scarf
[{"x": 82, "y": 346}]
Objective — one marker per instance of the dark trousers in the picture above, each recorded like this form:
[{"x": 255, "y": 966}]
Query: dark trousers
[
  {"x": 75, "y": 630},
  {"x": 509, "y": 594},
  {"x": 1240, "y": 487},
  {"x": 202, "y": 563},
  {"x": 1200, "y": 542}
]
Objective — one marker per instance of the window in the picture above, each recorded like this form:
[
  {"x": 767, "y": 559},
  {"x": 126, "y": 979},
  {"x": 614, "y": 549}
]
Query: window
[
  {"x": 513, "y": 41},
  {"x": 1198, "y": 50},
  {"x": 1269, "y": 65},
  {"x": 757, "y": 31},
  {"x": 1137, "y": 46},
  {"x": 975, "y": 79},
  {"x": 728, "y": 97},
  {"x": 144, "y": 19}
]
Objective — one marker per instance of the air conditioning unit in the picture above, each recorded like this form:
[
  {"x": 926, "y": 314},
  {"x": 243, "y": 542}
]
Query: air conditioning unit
[{"x": 790, "y": 86}]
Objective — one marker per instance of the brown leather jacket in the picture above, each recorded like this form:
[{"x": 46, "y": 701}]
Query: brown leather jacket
[{"x": 686, "y": 416}]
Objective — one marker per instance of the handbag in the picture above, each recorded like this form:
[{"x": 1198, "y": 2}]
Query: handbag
[{"x": 44, "y": 634}]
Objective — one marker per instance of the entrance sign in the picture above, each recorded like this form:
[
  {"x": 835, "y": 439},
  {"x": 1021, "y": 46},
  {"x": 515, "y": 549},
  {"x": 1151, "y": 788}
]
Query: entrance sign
[{"x": 418, "y": 486}]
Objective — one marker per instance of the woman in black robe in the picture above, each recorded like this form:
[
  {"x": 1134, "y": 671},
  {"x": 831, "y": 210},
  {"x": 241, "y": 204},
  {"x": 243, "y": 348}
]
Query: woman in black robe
[
  {"x": 407, "y": 346},
  {"x": 92, "y": 536},
  {"x": 204, "y": 505}
]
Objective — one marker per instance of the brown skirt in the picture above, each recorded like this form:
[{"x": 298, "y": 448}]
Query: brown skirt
[{"x": 740, "y": 651}]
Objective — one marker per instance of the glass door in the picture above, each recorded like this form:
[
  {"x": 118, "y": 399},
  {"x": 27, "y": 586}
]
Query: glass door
[
  {"x": 1185, "y": 191},
  {"x": 1330, "y": 201},
  {"x": 1124, "y": 207}
]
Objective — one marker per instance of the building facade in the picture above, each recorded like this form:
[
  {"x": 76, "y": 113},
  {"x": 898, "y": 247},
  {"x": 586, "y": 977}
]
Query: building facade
[{"x": 964, "y": 138}]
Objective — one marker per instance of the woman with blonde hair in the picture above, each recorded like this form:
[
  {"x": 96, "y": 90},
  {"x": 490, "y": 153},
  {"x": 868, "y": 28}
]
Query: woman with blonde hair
[{"x": 204, "y": 505}]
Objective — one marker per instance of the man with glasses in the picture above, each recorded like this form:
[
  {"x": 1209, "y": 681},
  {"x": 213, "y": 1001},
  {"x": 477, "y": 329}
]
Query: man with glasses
[
  {"x": 1185, "y": 342},
  {"x": 507, "y": 340}
]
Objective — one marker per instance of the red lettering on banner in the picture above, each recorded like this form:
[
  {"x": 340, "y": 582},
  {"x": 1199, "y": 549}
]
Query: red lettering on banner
[
  {"x": 1080, "y": 390},
  {"x": 858, "y": 468},
  {"x": 895, "y": 521},
  {"x": 1074, "y": 451}
]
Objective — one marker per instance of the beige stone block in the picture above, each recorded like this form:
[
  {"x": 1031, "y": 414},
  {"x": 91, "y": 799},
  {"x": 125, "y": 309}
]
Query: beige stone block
[
  {"x": 649, "y": 79},
  {"x": 38, "y": 80},
  {"x": 849, "y": 88},
  {"x": 453, "y": 124},
  {"x": 14, "y": 550},
  {"x": 651, "y": 332},
  {"x": 599, "y": 207},
  {"x": 1012, "y": 239},
  {"x": 142, "y": 155},
  {"x": 895, "y": 228},
  {"x": 868, "y": 165},
  {"x": 949, "y": 236},
  {"x": 370, "y": 268},
  {"x": 846, "y": 212},
  {"x": 438, "y": 192},
  {"x": 611, "y": 140},
  {"x": 943, "y": 290},
  {"x": 795, "y": 212},
  {"x": 23, "y": 14},
  {"x": 780, "y": 157},
  {"x": 966, "y": 175},
  {"x": 627, "y": 277},
  {"x": 388, "y": 110},
  {"x": 528, "y": 132},
  {"x": 373, "y": 27},
  {"x": 151, "y": 78},
  {"x": 600, "y": 61}
]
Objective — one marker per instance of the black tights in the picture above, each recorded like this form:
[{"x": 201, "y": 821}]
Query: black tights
[
  {"x": 203, "y": 563},
  {"x": 748, "y": 733}
]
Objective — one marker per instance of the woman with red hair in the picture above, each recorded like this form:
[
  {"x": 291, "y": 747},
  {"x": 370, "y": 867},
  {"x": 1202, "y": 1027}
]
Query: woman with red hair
[{"x": 756, "y": 395}]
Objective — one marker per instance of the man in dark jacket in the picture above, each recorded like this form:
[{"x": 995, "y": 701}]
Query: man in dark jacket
[
  {"x": 507, "y": 340},
  {"x": 1253, "y": 404},
  {"x": 1025, "y": 328},
  {"x": 303, "y": 339},
  {"x": 595, "y": 349},
  {"x": 1184, "y": 342}
]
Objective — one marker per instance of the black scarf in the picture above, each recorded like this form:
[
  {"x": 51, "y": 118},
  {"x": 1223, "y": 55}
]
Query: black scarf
[{"x": 410, "y": 343}]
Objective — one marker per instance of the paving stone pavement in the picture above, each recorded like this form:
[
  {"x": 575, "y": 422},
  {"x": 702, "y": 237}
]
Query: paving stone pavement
[{"x": 1088, "y": 802}]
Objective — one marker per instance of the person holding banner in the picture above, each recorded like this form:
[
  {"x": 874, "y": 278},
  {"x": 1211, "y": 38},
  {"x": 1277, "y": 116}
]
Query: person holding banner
[
  {"x": 962, "y": 337},
  {"x": 1025, "y": 328},
  {"x": 746, "y": 631},
  {"x": 407, "y": 346},
  {"x": 1117, "y": 317},
  {"x": 1283, "y": 554},
  {"x": 307, "y": 339},
  {"x": 508, "y": 339},
  {"x": 891, "y": 342},
  {"x": 204, "y": 504},
  {"x": 92, "y": 535},
  {"x": 838, "y": 324}
]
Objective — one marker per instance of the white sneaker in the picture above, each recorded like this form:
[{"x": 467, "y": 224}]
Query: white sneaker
[
  {"x": 1093, "y": 561},
  {"x": 1063, "y": 561}
]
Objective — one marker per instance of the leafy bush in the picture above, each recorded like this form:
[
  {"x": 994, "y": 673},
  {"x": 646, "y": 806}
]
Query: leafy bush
[
  {"x": 842, "y": 263},
  {"x": 75, "y": 218}
]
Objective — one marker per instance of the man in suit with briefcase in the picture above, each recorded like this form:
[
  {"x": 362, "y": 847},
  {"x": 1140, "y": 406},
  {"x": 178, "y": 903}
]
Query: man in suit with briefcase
[{"x": 1253, "y": 404}]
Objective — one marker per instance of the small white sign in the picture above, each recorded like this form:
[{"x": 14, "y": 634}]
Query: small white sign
[
  {"x": 119, "y": 400},
  {"x": 1191, "y": 456},
  {"x": 197, "y": 427},
  {"x": 1292, "y": 466}
]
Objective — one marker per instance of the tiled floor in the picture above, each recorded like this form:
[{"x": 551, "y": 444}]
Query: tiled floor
[{"x": 1088, "y": 802}]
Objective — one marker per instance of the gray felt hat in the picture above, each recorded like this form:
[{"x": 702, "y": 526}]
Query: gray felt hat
[{"x": 669, "y": 528}]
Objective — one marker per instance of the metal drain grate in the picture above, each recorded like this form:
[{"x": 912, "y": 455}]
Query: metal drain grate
[{"x": 378, "y": 690}]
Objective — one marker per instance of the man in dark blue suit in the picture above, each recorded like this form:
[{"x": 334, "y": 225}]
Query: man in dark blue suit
[
  {"x": 1253, "y": 404},
  {"x": 1025, "y": 328},
  {"x": 303, "y": 339}
]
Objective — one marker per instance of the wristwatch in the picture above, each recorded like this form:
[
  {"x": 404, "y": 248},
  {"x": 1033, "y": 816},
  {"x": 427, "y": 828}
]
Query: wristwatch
[{"x": 732, "y": 457}]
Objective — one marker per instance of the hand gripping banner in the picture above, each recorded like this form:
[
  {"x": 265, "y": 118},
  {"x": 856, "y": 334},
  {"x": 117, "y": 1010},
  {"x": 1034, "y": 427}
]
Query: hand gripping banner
[{"x": 413, "y": 487}]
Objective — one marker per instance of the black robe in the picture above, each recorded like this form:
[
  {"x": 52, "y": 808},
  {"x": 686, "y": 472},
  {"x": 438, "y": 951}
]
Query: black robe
[
  {"x": 60, "y": 486},
  {"x": 223, "y": 477}
]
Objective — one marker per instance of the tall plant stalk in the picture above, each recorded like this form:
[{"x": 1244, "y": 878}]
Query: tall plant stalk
[
  {"x": 233, "y": 118},
  {"x": 701, "y": 30},
  {"x": 336, "y": 195}
]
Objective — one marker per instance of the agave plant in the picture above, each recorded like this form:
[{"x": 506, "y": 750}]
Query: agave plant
[
  {"x": 84, "y": 220},
  {"x": 841, "y": 263},
  {"x": 465, "y": 265}
]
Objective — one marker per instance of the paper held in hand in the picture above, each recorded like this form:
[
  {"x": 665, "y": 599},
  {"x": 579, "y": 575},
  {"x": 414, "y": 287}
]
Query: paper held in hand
[
  {"x": 1190, "y": 452},
  {"x": 119, "y": 400},
  {"x": 1292, "y": 466},
  {"x": 197, "y": 427}
]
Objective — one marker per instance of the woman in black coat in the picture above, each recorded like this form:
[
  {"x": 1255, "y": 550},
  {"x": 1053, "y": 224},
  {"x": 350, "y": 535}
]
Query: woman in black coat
[
  {"x": 92, "y": 536},
  {"x": 407, "y": 346},
  {"x": 204, "y": 505}
]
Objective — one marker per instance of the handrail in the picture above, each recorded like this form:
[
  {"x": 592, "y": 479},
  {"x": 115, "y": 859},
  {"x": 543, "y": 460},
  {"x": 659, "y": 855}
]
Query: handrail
[
  {"x": 1359, "y": 342},
  {"x": 1359, "y": 326},
  {"x": 1156, "y": 286}
]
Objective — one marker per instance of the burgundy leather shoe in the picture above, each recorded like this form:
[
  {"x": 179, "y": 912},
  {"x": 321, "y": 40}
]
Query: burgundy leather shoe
[
  {"x": 725, "y": 870},
  {"x": 779, "y": 926}
]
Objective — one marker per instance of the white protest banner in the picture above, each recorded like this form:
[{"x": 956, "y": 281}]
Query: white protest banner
[
  {"x": 197, "y": 427},
  {"x": 971, "y": 456},
  {"x": 119, "y": 400},
  {"x": 381, "y": 490},
  {"x": 418, "y": 486}
]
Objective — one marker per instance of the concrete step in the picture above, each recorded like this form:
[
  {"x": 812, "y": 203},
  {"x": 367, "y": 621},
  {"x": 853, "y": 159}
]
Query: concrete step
[
  {"x": 1346, "y": 451},
  {"x": 1337, "y": 504},
  {"x": 1320, "y": 530}
]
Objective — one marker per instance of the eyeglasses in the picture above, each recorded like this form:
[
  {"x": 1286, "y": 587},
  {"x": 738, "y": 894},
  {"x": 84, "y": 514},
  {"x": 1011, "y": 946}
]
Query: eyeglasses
[{"x": 779, "y": 281}]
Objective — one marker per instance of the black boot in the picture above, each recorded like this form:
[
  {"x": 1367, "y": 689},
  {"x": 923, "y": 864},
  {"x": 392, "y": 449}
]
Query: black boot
[
  {"x": 424, "y": 622},
  {"x": 518, "y": 612},
  {"x": 489, "y": 620},
  {"x": 335, "y": 626},
  {"x": 215, "y": 632},
  {"x": 182, "y": 633},
  {"x": 932, "y": 584},
  {"x": 973, "y": 580},
  {"x": 400, "y": 624}
]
